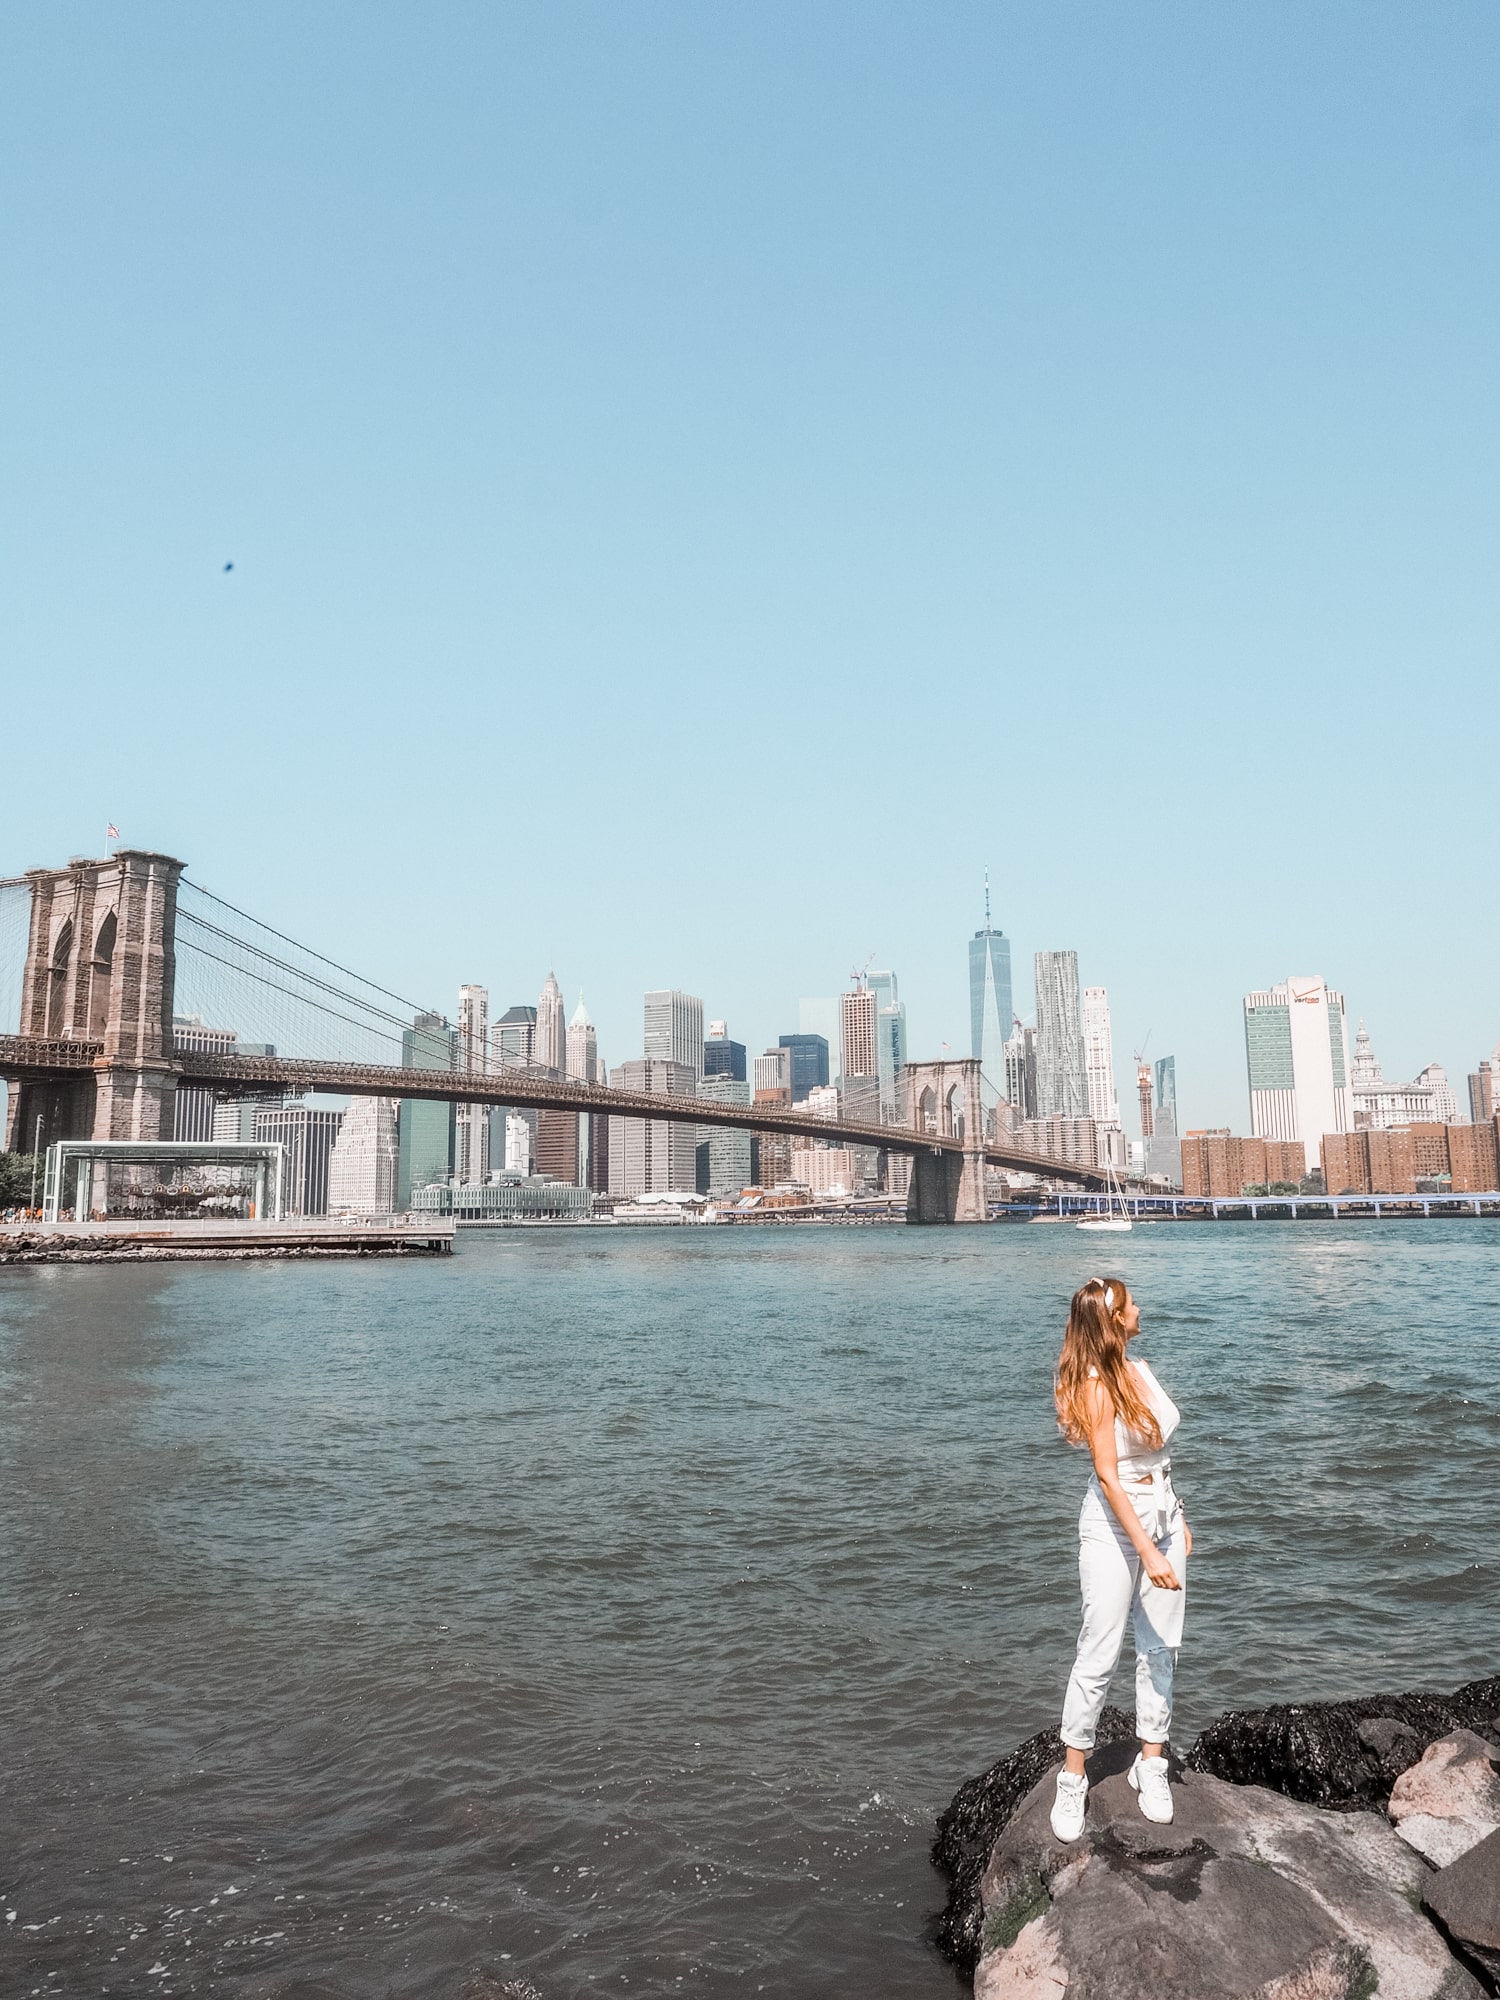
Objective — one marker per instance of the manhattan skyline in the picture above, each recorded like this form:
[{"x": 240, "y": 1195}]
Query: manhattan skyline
[{"x": 811, "y": 458}]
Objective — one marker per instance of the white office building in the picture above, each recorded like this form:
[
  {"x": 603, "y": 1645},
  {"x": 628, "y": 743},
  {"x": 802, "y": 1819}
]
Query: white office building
[
  {"x": 648, "y": 1155},
  {"x": 1297, "y": 1055},
  {"x": 549, "y": 1048},
  {"x": 858, "y": 1055},
  {"x": 674, "y": 1029},
  {"x": 1062, "y": 1089},
  {"x": 362, "y": 1164},
  {"x": 518, "y": 1143},
  {"x": 729, "y": 1158},
  {"x": 582, "y": 1045},
  {"x": 512, "y": 1043},
  {"x": 773, "y": 1071},
  {"x": 1099, "y": 1058},
  {"x": 825, "y": 1170},
  {"x": 193, "y": 1105},
  {"x": 308, "y": 1132},
  {"x": 1434, "y": 1080},
  {"x": 581, "y": 1056},
  {"x": 471, "y": 1160}
]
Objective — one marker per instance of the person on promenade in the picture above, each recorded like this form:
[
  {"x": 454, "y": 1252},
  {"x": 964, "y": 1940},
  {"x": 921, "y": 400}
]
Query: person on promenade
[{"x": 1133, "y": 1544}]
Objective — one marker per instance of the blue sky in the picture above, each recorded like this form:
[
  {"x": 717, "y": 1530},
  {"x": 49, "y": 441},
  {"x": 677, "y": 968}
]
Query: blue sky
[{"x": 703, "y": 483}]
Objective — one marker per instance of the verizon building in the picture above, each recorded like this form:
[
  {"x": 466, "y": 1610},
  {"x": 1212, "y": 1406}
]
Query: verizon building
[{"x": 1297, "y": 1053}]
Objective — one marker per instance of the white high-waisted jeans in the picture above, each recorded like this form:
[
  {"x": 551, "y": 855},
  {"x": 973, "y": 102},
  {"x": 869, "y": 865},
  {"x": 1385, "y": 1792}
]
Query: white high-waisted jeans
[{"x": 1116, "y": 1587}]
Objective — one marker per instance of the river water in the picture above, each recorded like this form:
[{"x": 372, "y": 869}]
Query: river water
[{"x": 614, "y": 1610}]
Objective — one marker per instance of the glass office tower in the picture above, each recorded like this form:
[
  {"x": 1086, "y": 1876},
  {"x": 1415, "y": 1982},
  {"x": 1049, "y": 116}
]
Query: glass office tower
[
  {"x": 427, "y": 1125},
  {"x": 991, "y": 1016},
  {"x": 809, "y": 1055}
]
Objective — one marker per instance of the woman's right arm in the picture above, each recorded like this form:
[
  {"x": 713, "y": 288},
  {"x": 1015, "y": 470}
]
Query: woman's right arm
[{"x": 1101, "y": 1414}]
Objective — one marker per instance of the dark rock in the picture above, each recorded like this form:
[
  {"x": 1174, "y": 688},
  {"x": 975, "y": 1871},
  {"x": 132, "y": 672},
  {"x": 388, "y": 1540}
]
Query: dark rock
[
  {"x": 1395, "y": 1744},
  {"x": 1322, "y": 1752},
  {"x": 972, "y": 1823},
  {"x": 1465, "y": 1899},
  {"x": 1343, "y": 1755},
  {"x": 482, "y": 1985},
  {"x": 1245, "y": 1894}
]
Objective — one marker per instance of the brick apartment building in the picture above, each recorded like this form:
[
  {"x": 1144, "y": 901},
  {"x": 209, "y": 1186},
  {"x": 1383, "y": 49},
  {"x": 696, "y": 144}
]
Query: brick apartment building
[
  {"x": 1392, "y": 1162},
  {"x": 1218, "y": 1163}
]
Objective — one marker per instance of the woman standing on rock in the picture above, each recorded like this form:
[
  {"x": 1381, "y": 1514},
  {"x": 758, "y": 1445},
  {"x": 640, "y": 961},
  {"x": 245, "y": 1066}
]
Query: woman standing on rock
[{"x": 1133, "y": 1544}]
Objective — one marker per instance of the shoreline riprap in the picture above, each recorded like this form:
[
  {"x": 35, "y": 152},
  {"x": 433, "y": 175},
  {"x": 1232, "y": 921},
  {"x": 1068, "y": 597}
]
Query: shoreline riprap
[{"x": 1373, "y": 1816}]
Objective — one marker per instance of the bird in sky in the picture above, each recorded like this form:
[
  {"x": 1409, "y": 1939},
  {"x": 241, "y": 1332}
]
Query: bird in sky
[{"x": 228, "y": 567}]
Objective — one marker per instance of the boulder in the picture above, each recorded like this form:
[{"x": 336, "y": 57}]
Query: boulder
[
  {"x": 1345, "y": 1755},
  {"x": 1465, "y": 1899},
  {"x": 1246, "y": 1896},
  {"x": 1449, "y": 1800},
  {"x": 972, "y": 1823}
]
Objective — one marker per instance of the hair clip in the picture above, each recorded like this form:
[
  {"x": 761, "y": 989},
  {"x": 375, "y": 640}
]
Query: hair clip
[{"x": 1109, "y": 1298}]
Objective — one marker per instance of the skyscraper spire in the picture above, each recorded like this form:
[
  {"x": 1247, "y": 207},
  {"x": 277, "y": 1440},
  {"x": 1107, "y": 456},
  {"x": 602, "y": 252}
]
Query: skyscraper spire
[
  {"x": 990, "y": 1012},
  {"x": 550, "y": 1045}
]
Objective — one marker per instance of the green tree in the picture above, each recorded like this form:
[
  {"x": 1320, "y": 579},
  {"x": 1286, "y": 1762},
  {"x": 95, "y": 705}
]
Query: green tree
[{"x": 15, "y": 1179}]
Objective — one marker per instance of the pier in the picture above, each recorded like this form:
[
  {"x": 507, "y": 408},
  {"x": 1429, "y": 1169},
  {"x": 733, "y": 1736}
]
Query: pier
[{"x": 191, "y": 1239}]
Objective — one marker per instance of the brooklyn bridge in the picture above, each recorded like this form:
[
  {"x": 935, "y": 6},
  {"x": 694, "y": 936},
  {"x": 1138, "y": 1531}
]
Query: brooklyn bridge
[{"x": 112, "y": 945}]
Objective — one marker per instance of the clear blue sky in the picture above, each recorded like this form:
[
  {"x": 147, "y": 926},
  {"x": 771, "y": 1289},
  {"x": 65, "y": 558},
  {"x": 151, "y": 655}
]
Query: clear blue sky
[{"x": 704, "y": 481}]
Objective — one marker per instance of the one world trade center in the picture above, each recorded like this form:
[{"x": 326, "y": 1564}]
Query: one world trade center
[{"x": 990, "y": 1015}]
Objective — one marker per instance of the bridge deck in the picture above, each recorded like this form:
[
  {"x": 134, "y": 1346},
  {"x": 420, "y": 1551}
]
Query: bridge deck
[{"x": 28, "y": 1057}]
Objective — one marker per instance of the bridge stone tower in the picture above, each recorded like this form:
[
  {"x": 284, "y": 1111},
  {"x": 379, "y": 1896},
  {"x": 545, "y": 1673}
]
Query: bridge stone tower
[
  {"x": 100, "y": 967},
  {"x": 945, "y": 1099}
]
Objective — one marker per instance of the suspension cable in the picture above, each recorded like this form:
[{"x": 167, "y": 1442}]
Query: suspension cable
[
  {"x": 348, "y": 973},
  {"x": 363, "y": 1026},
  {"x": 281, "y": 965}
]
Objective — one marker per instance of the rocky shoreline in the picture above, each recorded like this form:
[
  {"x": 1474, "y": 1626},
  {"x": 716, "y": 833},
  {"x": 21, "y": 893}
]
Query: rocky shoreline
[
  {"x": 24, "y": 1250},
  {"x": 1336, "y": 1849}
]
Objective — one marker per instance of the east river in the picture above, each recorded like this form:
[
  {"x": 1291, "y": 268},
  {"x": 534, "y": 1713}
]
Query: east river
[{"x": 614, "y": 1610}]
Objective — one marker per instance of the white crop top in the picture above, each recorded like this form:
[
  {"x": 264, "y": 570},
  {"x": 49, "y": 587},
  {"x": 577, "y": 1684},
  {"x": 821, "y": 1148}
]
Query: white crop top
[{"x": 1136, "y": 1458}]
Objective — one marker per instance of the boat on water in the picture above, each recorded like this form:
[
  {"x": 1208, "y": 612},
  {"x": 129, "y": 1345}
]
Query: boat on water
[{"x": 1113, "y": 1217}]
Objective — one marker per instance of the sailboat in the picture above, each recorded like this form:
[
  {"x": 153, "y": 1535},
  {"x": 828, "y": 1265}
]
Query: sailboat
[{"x": 1114, "y": 1217}]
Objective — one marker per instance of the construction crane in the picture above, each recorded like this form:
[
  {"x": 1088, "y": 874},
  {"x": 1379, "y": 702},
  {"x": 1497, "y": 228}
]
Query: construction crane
[{"x": 857, "y": 972}]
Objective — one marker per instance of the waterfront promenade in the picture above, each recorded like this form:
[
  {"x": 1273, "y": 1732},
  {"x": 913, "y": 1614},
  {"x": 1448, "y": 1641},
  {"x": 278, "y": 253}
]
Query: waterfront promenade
[
  {"x": 189, "y": 1237},
  {"x": 1269, "y": 1207}
]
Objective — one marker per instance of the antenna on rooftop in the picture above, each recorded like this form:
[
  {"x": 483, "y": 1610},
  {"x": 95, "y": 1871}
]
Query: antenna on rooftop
[{"x": 986, "y": 898}]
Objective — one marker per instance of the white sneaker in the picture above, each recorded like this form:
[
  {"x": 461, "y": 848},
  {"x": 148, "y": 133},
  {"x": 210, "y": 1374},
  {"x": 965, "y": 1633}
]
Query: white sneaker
[
  {"x": 1148, "y": 1775},
  {"x": 1067, "y": 1807}
]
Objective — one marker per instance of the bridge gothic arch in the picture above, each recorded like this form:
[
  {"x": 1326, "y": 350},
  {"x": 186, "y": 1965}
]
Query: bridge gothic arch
[
  {"x": 99, "y": 968},
  {"x": 99, "y": 976},
  {"x": 57, "y": 983},
  {"x": 954, "y": 1123},
  {"x": 944, "y": 1100}
]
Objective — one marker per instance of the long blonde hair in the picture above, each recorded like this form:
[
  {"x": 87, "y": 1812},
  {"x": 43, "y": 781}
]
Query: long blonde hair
[{"x": 1094, "y": 1348}]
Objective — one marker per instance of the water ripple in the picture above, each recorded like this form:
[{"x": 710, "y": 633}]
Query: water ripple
[{"x": 618, "y": 1616}]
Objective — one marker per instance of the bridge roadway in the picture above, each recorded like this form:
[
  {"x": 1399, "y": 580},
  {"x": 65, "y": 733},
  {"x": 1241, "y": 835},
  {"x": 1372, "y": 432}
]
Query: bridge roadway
[{"x": 28, "y": 1058}]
